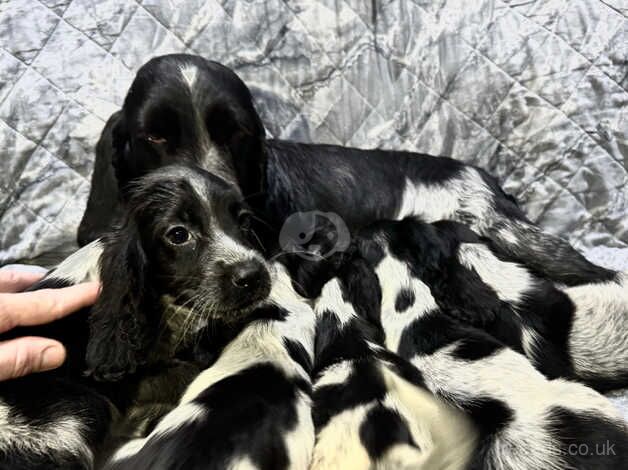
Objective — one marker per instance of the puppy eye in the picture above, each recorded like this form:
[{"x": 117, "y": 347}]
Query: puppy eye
[
  {"x": 153, "y": 139},
  {"x": 178, "y": 235}
]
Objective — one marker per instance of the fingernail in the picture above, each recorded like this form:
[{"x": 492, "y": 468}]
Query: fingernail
[{"x": 52, "y": 357}]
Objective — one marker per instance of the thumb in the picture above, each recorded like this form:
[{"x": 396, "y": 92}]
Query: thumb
[{"x": 23, "y": 356}]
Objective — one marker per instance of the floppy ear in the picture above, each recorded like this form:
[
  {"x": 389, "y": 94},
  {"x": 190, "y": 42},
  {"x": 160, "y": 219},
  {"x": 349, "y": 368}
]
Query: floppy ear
[
  {"x": 241, "y": 131},
  {"x": 103, "y": 204},
  {"x": 121, "y": 331}
]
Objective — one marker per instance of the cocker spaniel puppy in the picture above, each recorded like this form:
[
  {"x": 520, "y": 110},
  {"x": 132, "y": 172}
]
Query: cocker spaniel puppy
[{"x": 183, "y": 246}]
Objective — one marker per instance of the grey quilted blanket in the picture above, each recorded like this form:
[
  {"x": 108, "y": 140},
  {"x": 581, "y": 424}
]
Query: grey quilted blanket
[{"x": 536, "y": 91}]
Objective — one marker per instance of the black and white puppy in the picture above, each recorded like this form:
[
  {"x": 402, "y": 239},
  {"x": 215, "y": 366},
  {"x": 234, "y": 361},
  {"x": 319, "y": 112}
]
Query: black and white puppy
[
  {"x": 182, "y": 247},
  {"x": 525, "y": 420},
  {"x": 371, "y": 408},
  {"x": 578, "y": 333},
  {"x": 252, "y": 407},
  {"x": 185, "y": 108}
]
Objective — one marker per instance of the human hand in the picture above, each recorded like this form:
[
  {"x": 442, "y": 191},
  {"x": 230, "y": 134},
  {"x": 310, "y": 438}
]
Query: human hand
[{"x": 23, "y": 356}]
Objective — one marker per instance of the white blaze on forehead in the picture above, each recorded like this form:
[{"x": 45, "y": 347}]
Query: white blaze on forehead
[{"x": 188, "y": 72}]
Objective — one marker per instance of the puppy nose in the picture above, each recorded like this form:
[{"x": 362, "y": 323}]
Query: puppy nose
[{"x": 247, "y": 274}]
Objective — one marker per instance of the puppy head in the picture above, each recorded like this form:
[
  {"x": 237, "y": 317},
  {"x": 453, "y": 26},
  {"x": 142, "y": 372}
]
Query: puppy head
[
  {"x": 185, "y": 240},
  {"x": 194, "y": 231},
  {"x": 185, "y": 108}
]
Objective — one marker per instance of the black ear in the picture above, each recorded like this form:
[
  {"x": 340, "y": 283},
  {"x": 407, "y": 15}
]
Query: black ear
[
  {"x": 240, "y": 131},
  {"x": 103, "y": 204},
  {"x": 121, "y": 331}
]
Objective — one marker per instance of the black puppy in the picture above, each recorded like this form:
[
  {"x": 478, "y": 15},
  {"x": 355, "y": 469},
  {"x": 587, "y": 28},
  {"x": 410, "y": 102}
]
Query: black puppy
[{"x": 185, "y": 108}]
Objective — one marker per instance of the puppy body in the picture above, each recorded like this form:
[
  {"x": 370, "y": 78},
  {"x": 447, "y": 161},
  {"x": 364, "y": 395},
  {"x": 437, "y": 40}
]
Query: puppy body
[
  {"x": 526, "y": 421},
  {"x": 251, "y": 408},
  {"x": 371, "y": 410},
  {"x": 571, "y": 332}
]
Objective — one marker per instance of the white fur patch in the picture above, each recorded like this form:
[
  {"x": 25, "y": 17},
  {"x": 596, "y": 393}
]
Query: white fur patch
[
  {"x": 300, "y": 440},
  {"x": 189, "y": 73},
  {"x": 335, "y": 374},
  {"x": 331, "y": 299},
  {"x": 82, "y": 265},
  {"x": 62, "y": 435},
  {"x": 180, "y": 416},
  {"x": 169, "y": 424},
  {"x": 509, "y": 280},
  {"x": 445, "y": 435},
  {"x": 231, "y": 251},
  {"x": 466, "y": 194},
  {"x": 128, "y": 450},
  {"x": 338, "y": 444},
  {"x": 393, "y": 276},
  {"x": 430, "y": 202},
  {"x": 598, "y": 341}
]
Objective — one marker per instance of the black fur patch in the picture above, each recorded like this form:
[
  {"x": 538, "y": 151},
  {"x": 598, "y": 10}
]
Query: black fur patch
[
  {"x": 404, "y": 300},
  {"x": 382, "y": 429},
  {"x": 298, "y": 354},
  {"x": 334, "y": 343},
  {"x": 588, "y": 441},
  {"x": 489, "y": 414},
  {"x": 365, "y": 384}
]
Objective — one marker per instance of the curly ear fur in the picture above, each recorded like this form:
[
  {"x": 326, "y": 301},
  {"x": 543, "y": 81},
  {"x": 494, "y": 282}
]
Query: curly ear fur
[{"x": 124, "y": 320}]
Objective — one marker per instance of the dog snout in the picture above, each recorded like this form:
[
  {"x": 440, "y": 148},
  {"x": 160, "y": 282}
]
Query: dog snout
[{"x": 249, "y": 274}]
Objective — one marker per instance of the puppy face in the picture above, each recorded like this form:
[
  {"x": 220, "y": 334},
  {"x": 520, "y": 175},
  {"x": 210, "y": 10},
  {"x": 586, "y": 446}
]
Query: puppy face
[
  {"x": 194, "y": 231},
  {"x": 183, "y": 108}
]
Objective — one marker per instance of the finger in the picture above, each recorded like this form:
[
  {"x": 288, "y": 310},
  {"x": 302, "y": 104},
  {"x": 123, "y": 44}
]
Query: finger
[
  {"x": 15, "y": 281},
  {"x": 23, "y": 356},
  {"x": 45, "y": 305}
]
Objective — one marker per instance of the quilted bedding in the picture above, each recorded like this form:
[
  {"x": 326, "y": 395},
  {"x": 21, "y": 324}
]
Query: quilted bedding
[{"x": 535, "y": 91}]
